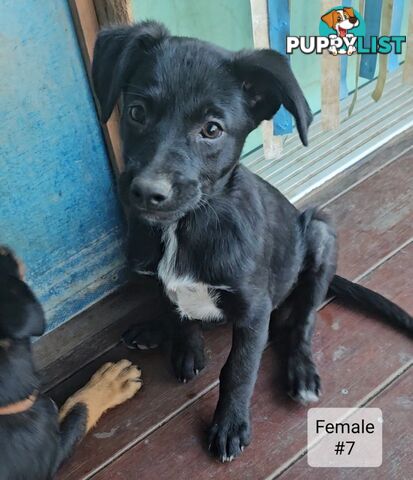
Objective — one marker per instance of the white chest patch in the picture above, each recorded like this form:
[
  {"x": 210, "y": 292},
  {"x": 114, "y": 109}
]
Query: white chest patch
[{"x": 194, "y": 300}]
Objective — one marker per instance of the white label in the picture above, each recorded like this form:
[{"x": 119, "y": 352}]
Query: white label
[{"x": 345, "y": 437}]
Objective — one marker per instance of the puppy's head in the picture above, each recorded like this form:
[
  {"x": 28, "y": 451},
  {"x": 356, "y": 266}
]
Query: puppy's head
[
  {"x": 341, "y": 20},
  {"x": 21, "y": 315},
  {"x": 186, "y": 108}
]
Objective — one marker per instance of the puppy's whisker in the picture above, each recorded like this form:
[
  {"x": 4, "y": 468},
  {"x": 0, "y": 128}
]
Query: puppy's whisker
[{"x": 207, "y": 204}]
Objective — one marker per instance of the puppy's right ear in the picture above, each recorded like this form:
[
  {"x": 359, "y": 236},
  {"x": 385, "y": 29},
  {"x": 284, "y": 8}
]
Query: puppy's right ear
[
  {"x": 268, "y": 82},
  {"x": 116, "y": 52}
]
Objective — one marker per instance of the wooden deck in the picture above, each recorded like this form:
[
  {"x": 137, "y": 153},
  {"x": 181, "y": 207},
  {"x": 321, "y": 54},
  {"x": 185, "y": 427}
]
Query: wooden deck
[{"x": 160, "y": 434}]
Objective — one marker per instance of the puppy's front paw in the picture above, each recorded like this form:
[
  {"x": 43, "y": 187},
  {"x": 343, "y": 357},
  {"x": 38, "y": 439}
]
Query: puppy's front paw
[
  {"x": 304, "y": 381},
  {"x": 187, "y": 358},
  {"x": 229, "y": 435},
  {"x": 111, "y": 385},
  {"x": 143, "y": 336}
]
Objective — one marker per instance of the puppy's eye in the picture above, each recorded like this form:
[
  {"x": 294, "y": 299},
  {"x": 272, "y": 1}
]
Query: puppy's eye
[
  {"x": 138, "y": 114},
  {"x": 211, "y": 130}
]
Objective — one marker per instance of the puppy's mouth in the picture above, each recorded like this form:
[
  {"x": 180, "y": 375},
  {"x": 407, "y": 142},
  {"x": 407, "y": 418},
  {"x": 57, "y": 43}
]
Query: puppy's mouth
[
  {"x": 342, "y": 31},
  {"x": 159, "y": 216},
  {"x": 167, "y": 216}
]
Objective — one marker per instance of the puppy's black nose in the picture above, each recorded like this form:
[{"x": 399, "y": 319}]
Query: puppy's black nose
[
  {"x": 353, "y": 20},
  {"x": 150, "y": 193}
]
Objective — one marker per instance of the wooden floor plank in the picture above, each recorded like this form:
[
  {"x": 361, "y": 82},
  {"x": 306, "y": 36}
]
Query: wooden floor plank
[
  {"x": 356, "y": 356},
  {"x": 363, "y": 242},
  {"x": 368, "y": 166},
  {"x": 374, "y": 217},
  {"x": 396, "y": 404}
]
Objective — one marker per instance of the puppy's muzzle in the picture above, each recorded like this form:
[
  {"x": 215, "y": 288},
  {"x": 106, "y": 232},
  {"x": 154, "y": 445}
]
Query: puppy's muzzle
[{"x": 150, "y": 193}]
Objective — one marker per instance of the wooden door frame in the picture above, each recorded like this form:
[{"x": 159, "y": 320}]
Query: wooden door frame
[{"x": 88, "y": 17}]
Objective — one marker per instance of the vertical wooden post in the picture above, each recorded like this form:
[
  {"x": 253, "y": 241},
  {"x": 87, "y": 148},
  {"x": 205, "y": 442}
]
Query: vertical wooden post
[
  {"x": 354, "y": 100},
  {"x": 110, "y": 12},
  {"x": 408, "y": 63},
  {"x": 386, "y": 17},
  {"x": 259, "y": 14},
  {"x": 88, "y": 17},
  {"x": 330, "y": 81}
]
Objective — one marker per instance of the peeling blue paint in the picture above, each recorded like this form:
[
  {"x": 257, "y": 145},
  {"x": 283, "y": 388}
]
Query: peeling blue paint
[{"x": 59, "y": 208}]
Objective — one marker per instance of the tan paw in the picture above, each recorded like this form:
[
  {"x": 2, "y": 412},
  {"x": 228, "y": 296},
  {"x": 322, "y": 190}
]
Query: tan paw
[
  {"x": 120, "y": 382},
  {"x": 111, "y": 385}
]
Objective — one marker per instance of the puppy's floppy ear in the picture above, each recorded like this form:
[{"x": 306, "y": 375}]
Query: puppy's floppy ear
[
  {"x": 21, "y": 315},
  {"x": 116, "y": 52},
  {"x": 330, "y": 18},
  {"x": 268, "y": 83}
]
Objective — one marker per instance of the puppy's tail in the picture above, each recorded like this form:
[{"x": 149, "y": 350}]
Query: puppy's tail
[{"x": 373, "y": 303}]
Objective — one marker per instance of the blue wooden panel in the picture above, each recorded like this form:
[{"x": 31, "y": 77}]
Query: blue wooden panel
[
  {"x": 343, "y": 77},
  {"x": 279, "y": 29},
  {"x": 372, "y": 17},
  {"x": 59, "y": 209},
  {"x": 396, "y": 27}
]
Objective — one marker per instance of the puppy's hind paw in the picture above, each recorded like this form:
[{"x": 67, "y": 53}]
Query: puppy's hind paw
[
  {"x": 111, "y": 385},
  {"x": 304, "y": 381},
  {"x": 305, "y": 396}
]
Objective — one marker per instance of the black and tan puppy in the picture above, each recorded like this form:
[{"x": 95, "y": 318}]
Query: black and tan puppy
[
  {"x": 224, "y": 243},
  {"x": 34, "y": 437}
]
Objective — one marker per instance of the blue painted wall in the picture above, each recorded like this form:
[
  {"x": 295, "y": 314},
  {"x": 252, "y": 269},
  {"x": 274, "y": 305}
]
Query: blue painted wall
[{"x": 58, "y": 205}]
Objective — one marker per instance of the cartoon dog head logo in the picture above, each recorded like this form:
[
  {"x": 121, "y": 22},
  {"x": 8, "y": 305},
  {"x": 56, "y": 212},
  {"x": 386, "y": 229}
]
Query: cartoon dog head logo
[
  {"x": 341, "y": 20},
  {"x": 341, "y": 23}
]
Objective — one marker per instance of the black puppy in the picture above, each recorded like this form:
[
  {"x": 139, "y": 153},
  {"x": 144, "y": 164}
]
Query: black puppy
[
  {"x": 33, "y": 441},
  {"x": 224, "y": 242}
]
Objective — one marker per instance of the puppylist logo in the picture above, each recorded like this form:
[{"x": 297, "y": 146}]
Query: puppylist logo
[{"x": 342, "y": 32}]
